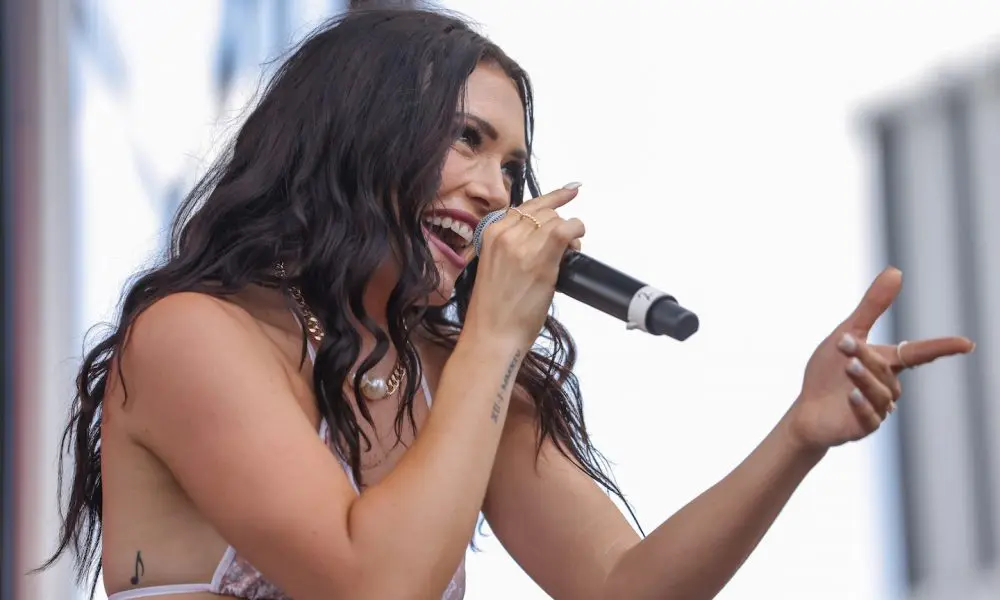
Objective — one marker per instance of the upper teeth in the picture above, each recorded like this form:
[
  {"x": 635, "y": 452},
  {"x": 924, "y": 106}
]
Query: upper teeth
[{"x": 455, "y": 225}]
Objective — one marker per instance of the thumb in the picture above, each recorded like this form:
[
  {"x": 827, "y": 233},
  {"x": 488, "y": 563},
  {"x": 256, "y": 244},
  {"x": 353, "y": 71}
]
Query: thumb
[{"x": 876, "y": 301}]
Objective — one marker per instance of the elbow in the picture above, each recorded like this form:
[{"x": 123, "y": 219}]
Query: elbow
[
  {"x": 399, "y": 581},
  {"x": 387, "y": 562},
  {"x": 373, "y": 574},
  {"x": 393, "y": 581},
  {"x": 389, "y": 581}
]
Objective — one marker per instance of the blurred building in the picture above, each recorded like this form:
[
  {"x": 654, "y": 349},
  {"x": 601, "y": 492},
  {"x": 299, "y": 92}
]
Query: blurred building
[
  {"x": 38, "y": 285},
  {"x": 937, "y": 157}
]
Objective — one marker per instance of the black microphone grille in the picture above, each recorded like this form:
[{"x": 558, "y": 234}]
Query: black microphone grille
[{"x": 477, "y": 235}]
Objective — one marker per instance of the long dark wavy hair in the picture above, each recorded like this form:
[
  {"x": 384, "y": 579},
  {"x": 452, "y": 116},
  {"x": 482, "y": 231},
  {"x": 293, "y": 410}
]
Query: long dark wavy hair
[{"x": 330, "y": 175}]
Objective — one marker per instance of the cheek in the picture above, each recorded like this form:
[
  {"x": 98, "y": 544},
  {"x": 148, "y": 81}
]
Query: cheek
[{"x": 453, "y": 172}]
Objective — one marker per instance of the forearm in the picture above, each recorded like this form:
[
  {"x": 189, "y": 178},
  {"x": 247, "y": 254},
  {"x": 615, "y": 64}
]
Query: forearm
[
  {"x": 430, "y": 502},
  {"x": 695, "y": 553}
]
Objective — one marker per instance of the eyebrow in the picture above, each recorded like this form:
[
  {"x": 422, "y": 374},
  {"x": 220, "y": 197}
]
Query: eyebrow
[{"x": 492, "y": 133}]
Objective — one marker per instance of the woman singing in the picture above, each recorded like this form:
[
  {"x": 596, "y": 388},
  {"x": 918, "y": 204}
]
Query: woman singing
[{"x": 320, "y": 390}]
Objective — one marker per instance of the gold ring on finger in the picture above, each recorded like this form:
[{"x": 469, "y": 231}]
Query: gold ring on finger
[
  {"x": 527, "y": 216},
  {"x": 899, "y": 354}
]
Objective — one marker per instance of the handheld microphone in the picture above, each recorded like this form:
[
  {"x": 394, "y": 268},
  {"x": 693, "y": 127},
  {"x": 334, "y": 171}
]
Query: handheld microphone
[{"x": 602, "y": 287}]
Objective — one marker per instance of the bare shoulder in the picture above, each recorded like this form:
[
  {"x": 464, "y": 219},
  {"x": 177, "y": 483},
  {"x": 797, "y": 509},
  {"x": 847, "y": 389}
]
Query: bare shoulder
[
  {"x": 210, "y": 397},
  {"x": 189, "y": 347},
  {"x": 184, "y": 337},
  {"x": 179, "y": 320}
]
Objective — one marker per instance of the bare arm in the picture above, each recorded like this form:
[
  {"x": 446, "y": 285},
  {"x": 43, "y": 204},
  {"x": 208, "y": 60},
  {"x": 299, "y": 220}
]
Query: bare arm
[
  {"x": 559, "y": 526},
  {"x": 695, "y": 552},
  {"x": 208, "y": 399},
  {"x": 568, "y": 535},
  {"x": 848, "y": 389}
]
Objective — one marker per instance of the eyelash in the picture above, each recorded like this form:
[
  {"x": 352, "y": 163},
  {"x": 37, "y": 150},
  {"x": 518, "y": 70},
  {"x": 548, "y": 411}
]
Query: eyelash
[{"x": 473, "y": 138}]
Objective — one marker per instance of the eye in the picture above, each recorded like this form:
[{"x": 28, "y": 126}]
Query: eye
[
  {"x": 470, "y": 136},
  {"x": 513, "y": 172}
]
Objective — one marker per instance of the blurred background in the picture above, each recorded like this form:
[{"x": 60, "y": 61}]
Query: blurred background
[{"x": 762, "y": 161}]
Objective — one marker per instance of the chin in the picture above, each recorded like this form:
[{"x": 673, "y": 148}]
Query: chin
[
  {"x": 438, "y": 299},
  {"x": 448, "y": 274},
  {"x": 445, "y": 289}
]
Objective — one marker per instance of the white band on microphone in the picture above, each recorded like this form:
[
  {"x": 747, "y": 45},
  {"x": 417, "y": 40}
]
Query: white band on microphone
[{"x": 639, "y": 305}]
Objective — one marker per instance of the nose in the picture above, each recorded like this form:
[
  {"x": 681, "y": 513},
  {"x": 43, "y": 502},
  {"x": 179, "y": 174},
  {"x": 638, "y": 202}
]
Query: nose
[{"x": 488, "y": 188}]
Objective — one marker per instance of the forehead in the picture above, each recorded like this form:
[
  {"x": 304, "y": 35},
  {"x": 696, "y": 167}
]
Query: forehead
[{"x": 490, "y": 94}]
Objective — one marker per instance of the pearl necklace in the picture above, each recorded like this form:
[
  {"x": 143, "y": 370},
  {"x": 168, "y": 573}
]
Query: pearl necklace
[{"x": 373, "y": 388}]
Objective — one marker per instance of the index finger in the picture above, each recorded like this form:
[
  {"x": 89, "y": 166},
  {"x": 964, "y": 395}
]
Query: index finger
[
  {"x": 553, "y": 199},
  {"x": 876, "y": 301},
  {"x": 922, "y": 352}
]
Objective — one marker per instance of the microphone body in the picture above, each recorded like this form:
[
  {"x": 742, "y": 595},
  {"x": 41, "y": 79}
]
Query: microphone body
[{"x": 612, "y": 292}]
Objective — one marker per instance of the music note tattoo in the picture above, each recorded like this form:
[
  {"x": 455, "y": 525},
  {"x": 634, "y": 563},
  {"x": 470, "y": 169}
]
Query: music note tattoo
[{"x": 138, "y": 565}]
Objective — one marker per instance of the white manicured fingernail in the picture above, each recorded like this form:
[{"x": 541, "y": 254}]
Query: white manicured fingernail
[
  {"x": 856, "y": 397},
  {"x": 572, "y": 186},
  {"x": 855, "y": 367},
  {"x": 848, "y": 343}
]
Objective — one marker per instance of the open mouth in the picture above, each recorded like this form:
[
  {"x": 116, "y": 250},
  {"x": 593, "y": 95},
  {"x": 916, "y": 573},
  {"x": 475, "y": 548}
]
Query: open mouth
[{"x": 454, "y": 234}]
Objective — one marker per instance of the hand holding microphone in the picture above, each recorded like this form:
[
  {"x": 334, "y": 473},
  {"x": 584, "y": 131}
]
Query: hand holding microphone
[
  {"x": 577, "y": 275},
  {"x": 519, "y": 256}
]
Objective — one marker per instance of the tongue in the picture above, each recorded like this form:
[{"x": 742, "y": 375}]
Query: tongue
[{"x": 447, "y": 236}]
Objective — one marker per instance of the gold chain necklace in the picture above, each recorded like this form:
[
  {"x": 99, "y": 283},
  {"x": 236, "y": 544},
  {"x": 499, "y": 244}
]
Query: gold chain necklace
[{"x": 373, "y": 388}]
